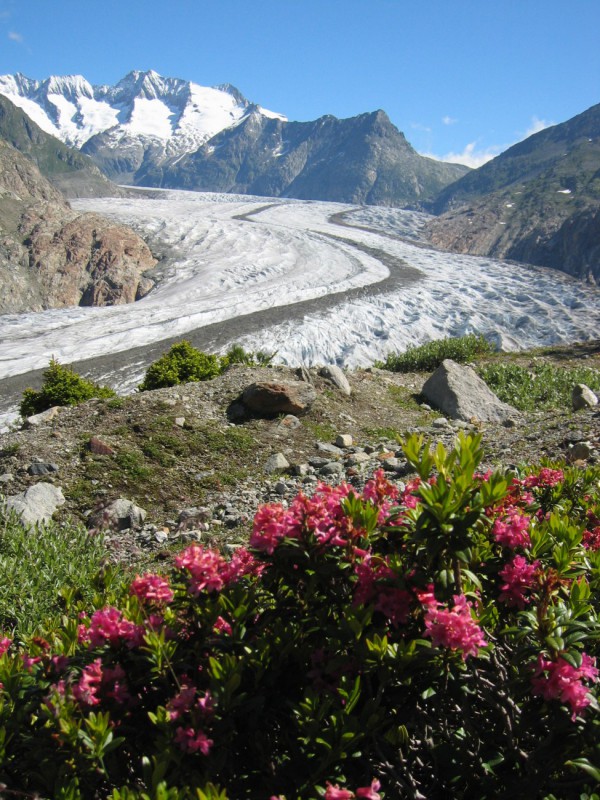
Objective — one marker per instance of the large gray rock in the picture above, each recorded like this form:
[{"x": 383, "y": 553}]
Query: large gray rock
[
  {"x": 269, "y": 398},
  {"x": 334, "y": 374},
  {"x": 461, "y": 394},
  {"x": 583, "y": 397},
  {"x": 36, "y": 504},
  {"x": 44, "y": 416},
  {"x": 120, "y": 515}
]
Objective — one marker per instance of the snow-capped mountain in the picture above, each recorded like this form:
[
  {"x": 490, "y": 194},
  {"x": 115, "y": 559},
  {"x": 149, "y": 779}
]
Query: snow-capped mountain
[{"x": 143, "y": 113}]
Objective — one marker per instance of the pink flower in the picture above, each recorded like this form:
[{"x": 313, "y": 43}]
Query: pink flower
[
  {"x": 394, "y": 604},
  {"x": 5, "y": 643},
  {"x": 519, "y": 577},
  {"x": 545, "y": 477},
  {"x": 222, "y": 626},
  {"x": 192, "y": 741},
  {"x": 559, "y": 680},
  {"x": 335, "y": 793},
  {"x": 272, "y": 523},
  {"x": 512, "y": 531},
  {"x": 591, "y": 539},
  {"x": 152, "y": 588},
  {"x": 453, "y": 628},
  {"x": 108, "y": 626},
  {"x": 370, "y": 792},
  {"x": 85, "y": 691}
]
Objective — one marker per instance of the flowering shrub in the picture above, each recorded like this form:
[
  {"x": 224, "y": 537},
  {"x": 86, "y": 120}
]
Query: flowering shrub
[{"x": 437, "y": 639}]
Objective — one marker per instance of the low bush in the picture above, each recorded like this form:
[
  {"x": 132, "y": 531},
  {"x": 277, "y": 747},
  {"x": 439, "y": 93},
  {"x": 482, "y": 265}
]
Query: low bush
[
  {"x": 437, "y": 639},
  {"x": 427, "y": 357},
  {"x": 61, "y": 387},
  {"x": 538, "y": 386},
  {"x": 47, "y": 568},
  {"x": 183, "y": 363}
]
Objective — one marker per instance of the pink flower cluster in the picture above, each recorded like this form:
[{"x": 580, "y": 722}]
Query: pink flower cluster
[
  {"x": 512, "y": 530},
  {"x": 5, "y": 643},
  {"x": 454, "y": 628},
  {"x": 210, "y": 572},
  {"x": 152, "y": 588},
  {"x": 591, "y": 538},
  {"x": 373, "y": 586},
  {"x": 321, "y": 515},
  {"x": 187, "y": 699},
  {"x": 333, "y": 792},
  {"x": 545, "y": 478},
  {"x": 192, "y": 741},
  {"x": 519, "y": 577},
  {"x": 559, "y": 680},
  {"x": 97, "y": 680},
  {"x": 109, "y": 626}
]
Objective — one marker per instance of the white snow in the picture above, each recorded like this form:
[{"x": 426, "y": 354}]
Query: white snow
[
  {"x": 225, "y": 267},
  {"x": 563, "y": 191},
  {"x": 150, "y": 118}
]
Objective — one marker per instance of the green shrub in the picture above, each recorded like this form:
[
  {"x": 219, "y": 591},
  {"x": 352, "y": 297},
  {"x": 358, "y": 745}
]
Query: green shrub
[
  {"x": 539, "y": 386},
  {"x": 62, "y": 387},
  {"x": 182, "y": 364},
  {"x": 427, "y": 357},
  {"x": 185, "y": 364},
  {"x": 437, "y": 638}
]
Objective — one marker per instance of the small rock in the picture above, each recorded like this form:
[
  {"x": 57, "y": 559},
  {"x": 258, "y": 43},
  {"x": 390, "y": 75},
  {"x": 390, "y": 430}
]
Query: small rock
[
  {"x": 118, "y": 516},
  {"x": 332, "y": 468},
  {"x": 344, "y": 440},
  {"x": 580, "y": 451},
  {"x": 300, "y": 470},
  {"x": 192, "y": 517},
  {"x": 99, "y": 447},
  {"x": 7, "y": 477},
  {"x": 276, "y": 463},
  {"x": 583, "y": 397},
  {"x": 336, "y": 376},
  {"x": 357, "y": 458},
  {"x": 325, "y": 447},
  {"x": 287, "y": 424},
  {"x": 44, "y": 416},
  {"x": 40, "y": 468},
  {"x": 280, "y": 488},
  {"x": 180, "y": 422},
  {"x": 269, "y": 399},
  {"x": 318, "y": 461},
  {"x": 440, "y": 422}
]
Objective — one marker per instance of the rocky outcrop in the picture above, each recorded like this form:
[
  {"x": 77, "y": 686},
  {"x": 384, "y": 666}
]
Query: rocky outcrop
[
  {"x": 51, "y": 256},
  {"x": 267, "y": 399}
]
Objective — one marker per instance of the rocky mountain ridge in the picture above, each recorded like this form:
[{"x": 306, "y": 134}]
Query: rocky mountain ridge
[
  {"x": 154, "y": 131},
  {"x": 538, "y": 202}
]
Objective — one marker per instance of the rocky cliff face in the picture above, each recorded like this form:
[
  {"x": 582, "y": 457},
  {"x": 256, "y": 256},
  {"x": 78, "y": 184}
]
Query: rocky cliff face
[{"x": 51, "y": 256}]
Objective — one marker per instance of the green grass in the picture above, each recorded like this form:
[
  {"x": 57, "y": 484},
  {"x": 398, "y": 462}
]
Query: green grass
[
  {"x": 537, "y": 387},
  {"x": 428, "y": 357},
  {"x": 44, "y": 569}
]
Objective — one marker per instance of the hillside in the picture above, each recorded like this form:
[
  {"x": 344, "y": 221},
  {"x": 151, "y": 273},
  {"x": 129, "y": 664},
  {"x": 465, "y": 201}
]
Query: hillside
[
  {"x": 538, "y": 202},
  {"x": 67, "y": 169},
  {"x": 186, "y": 456}
]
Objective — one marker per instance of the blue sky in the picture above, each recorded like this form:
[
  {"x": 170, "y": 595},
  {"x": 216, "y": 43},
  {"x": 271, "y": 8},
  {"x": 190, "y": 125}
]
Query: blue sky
[{"x": 460, "y": 78}]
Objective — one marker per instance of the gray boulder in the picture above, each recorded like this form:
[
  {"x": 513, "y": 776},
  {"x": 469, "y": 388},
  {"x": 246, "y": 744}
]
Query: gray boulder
[
  {"x": 44, "y": 416},
  {"x": 583, "y": 397},
  {"x": 461, "y": 394},
  {"x": 120, "y": 515},
  {"x": 276, "y": 463},
  {"x": 337, "y": 377},
  {"x": 36, "y": 504}
]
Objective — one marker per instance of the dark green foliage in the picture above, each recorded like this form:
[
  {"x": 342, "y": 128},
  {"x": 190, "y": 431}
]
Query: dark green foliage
[
  {"x": 537, "y": 386},
  {"x": 185, "y": 364},
  {"x": 62, "y": 387},
  {"x": 182, "y": 364},
  {"x": 429, "y": 356}
]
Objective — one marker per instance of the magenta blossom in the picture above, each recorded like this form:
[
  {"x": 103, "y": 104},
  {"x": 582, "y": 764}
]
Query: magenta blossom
[
  {"x": 512, "y": 530},
  {"x": 192, "y": 741},
  {"x": 559, "y": 680},
  {"x": 519, "y": 577},
  {"x": 454, "y": 628},
  {"x": 152, "y": 588},
  {"x": 5, "y": 643},
  {"x": 370, "y": 792},
  {"x": 333, "y": 792},
  {"x": 108, "y": 626}
]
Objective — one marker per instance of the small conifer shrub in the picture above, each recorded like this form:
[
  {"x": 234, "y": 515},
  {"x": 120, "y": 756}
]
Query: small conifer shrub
[
  {"x": 62, "y": 387},
  {"x": 429, "y": 356}
]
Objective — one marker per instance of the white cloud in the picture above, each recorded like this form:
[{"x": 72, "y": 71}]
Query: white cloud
[
  {"x": 536, "y": 126},
  {"x": 470, "y": 156},
  {"x": 447, "y": 120},
  {"x": 15, "y": 37}
]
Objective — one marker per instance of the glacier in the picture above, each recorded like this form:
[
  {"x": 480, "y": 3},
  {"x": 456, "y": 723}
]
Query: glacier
[{"x": 320, "y": 283}]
